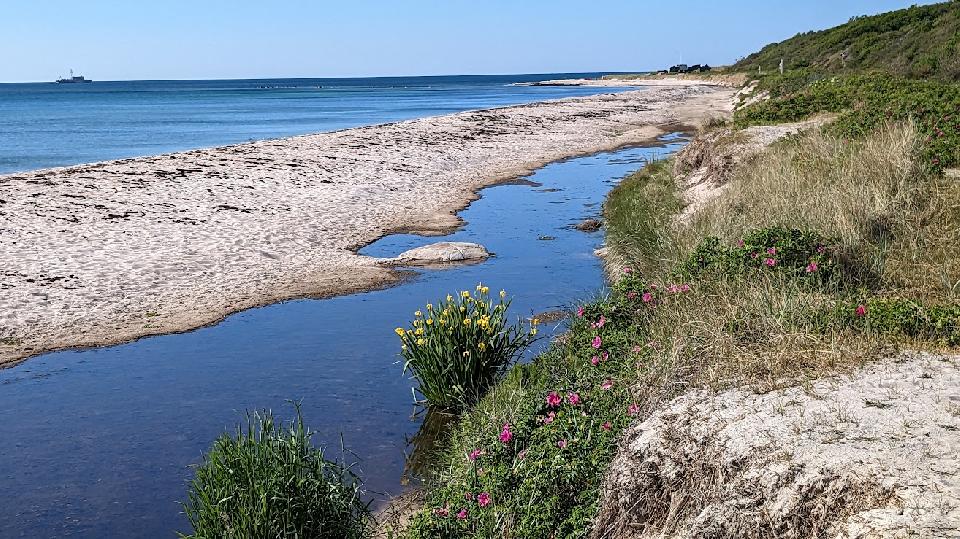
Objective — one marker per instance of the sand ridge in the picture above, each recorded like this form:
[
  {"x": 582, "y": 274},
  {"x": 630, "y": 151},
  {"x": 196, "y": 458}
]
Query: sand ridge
[{"x": 112, "y": 251}]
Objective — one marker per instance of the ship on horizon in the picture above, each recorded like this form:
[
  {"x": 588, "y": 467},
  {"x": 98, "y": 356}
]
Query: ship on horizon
[{"x": 73, "y": 79}]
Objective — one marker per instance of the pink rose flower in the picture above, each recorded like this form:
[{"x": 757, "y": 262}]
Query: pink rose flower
[
  {"x": 580, "y": 311},
  {"x": 812, "y": 267},
  {"x": 554, "y": 399},
  {"x": 647, "y": 297},
  {"x": 601, "y": 321},
  {"x": 597, "y": 342},
  {"x": 772, "y": 251},
  {"x": 442, "y": 511},
  {"x": 474, "y": 454},
  {"x": 633, "y": 409},
  {"x": 770, "y": 262},
  {"x": 483, "y": 499},
  {"x": 684, "y": 288},
  {"x": 740, "y": 243},
  {"x": 462, "y": 514},
  {"x": 594, "y": 361},
  {"x": 607, "y": 384},
  {"x": 606, "y": 426},
  {"x": 550, "y": 417},
  {"x": 861, "y": 310},
  {"x": 562, "y": 444},
  {"x": 574, "y": 398},
  {"x": 505, "y": 434}
]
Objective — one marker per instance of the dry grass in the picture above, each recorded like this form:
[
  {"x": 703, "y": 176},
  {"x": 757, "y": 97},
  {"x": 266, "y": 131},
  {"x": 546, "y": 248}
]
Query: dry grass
[{"x": 889, "y": 214}]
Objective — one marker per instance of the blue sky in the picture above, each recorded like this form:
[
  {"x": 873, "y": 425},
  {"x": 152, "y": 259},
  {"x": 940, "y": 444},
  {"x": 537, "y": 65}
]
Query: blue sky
[{"x": 181, "y": 39}]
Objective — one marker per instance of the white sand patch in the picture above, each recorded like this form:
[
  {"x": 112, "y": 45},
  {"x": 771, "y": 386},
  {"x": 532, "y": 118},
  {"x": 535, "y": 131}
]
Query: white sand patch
[{"x": 875, "y": 454}]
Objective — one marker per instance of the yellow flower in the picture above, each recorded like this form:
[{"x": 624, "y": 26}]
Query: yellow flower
[
  {"x": 481, "y": 346},
  {"x": 533, "y": 331},
  {"x": 403, "y": 347},
  {"x": 443, "y": 321},
  {"x": 466, "y": 321},
  {"x": 419, "y": 331},
  {"x": 479, "y": 287},
  {"x": 484, "y": 290},
  {"x": 465, "y": 293},
  {"x": 429, "y": 306},
  {"x": 400, "y": 331},
  {"x": 418, "y": 313},
  {"x": 503, "y": 294},
  {"x": 420, "y": 342},
  {"x": 449, "y": 297},
  {"x": 462, "y": 308},
  {"x": 429, "y": 321},
  {"x": 535, "y": 321}
]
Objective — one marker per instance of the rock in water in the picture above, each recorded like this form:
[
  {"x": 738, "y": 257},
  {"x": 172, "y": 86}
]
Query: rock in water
[
  {"x": 442, "y": 253},
  {"x": 588, "y": 225}
]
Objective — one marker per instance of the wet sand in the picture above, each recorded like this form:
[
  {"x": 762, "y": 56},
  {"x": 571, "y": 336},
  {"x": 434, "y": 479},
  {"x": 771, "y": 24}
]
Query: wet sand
[{"x": 108, "y": 252}]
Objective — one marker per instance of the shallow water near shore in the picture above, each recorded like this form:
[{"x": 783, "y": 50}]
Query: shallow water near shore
[
  {"x": 100, "y": 443},
  {"x": 50, "y": 125}
]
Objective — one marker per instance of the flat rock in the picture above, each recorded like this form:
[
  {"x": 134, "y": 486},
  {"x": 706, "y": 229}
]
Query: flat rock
[
  {"x": 441, "y": 253},
  {"x": 588, "y": 225}
]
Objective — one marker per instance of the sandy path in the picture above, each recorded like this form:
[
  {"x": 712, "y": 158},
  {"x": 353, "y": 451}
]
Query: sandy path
[{"x": 108, "y": 252}]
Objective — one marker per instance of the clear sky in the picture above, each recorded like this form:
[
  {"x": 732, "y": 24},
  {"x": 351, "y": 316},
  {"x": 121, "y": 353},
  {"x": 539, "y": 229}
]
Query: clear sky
[{"x": 209, "y": 39}]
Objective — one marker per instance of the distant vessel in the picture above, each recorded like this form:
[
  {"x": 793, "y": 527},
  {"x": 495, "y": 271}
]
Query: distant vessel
[{"x": 72, "y": 79}]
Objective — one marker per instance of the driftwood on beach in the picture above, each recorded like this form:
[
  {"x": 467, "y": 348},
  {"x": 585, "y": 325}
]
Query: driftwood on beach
[{"x": 108, "y": 252}]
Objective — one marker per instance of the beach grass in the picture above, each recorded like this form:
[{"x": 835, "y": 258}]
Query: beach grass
[{"x": 267, "y": 480}]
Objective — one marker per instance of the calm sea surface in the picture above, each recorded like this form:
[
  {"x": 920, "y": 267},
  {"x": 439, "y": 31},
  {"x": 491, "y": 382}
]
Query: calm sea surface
[
  {"x": 47, "y": 125},
  {"x": 101, "y": 442}
]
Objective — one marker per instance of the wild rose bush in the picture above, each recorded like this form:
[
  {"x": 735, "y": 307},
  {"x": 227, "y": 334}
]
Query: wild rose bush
[
  {"x": 800, "y": 253},
  {"x": 894, "y": 317},
  {"x": 459, "y": 347}
]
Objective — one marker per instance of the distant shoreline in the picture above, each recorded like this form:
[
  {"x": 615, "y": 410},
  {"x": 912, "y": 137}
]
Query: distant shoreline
[
  {"x": 113, "y": 251},
  {"x": 645, "y": 80}
]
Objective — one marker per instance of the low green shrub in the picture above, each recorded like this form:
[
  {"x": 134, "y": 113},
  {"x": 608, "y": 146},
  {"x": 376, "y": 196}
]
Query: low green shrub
[
  {"x": 864, "y": 103},
  {"x": 459, "y": 347},
  {"x": 800, "y": 253},
  {"x": 893, "y": 317},
  {"x": 269, "y": 481}
]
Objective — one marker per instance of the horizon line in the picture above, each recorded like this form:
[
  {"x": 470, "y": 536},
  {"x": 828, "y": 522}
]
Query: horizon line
[{"x": 612, "y": 72}]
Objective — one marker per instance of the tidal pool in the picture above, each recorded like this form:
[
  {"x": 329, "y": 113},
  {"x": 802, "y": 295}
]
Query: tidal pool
[{"x": 101, "y": 442}]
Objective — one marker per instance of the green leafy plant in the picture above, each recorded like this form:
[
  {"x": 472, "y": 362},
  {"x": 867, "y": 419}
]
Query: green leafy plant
[
  {"x": 800, "y": 253},
  {"x": 268, "y": 481},
  {"x": 893, "y": 317},
  {"x": 459, "y": 347}
]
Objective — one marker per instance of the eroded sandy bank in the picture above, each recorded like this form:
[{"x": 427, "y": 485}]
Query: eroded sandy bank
[{"x": 109, "y": 252}]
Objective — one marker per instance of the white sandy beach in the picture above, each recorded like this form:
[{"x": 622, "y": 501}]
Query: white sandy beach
[{"x": 109, "y": 252}]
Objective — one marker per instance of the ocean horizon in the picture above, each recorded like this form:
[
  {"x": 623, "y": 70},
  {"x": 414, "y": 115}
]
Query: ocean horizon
[{"x": 54, "y": 125}]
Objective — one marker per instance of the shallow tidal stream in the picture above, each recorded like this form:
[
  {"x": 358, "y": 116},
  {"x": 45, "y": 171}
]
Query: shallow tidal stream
[{"x": 100, "y": 442}]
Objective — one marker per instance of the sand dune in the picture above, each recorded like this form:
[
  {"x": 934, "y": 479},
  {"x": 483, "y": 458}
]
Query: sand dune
[{"x": 108, "y": 252}]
